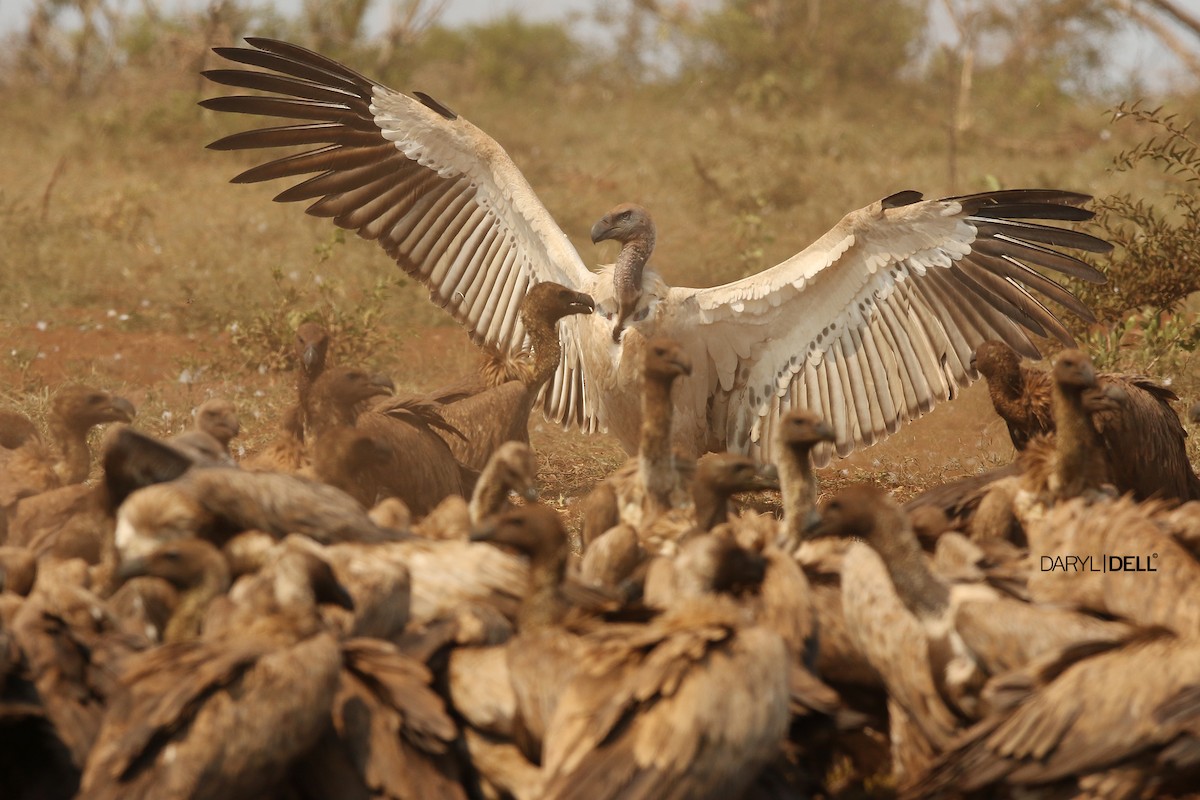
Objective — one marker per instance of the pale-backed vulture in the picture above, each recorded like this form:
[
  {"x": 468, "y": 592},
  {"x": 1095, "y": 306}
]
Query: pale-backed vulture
[
  {"x": 872, "y": 325},
  {"x": 1142, "y": 434}
]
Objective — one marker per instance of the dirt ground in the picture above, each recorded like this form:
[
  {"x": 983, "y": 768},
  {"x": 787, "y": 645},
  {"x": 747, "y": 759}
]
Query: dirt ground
[{"x": 165, "y": 375}]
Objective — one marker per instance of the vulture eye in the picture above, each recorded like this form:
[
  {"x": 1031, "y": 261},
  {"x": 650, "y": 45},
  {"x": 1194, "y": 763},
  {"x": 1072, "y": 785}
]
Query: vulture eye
[
  {"x": 641, "y": 315},
  {"x": 624, "y": 215}
]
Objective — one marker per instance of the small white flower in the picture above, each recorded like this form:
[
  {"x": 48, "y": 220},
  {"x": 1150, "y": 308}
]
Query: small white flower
[{"x": 41, "y": 325}]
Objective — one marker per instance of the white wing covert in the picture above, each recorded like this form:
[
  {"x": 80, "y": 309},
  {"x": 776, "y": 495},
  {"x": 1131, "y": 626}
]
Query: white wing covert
[{"x": 875, "y": 323}]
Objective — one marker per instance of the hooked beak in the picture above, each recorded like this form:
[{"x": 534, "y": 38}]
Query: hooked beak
[
  {"x": 382, "y": 384},
  {"x": 582, "y": 304},
  {"x": 766, "y": 477},
  {"x": 309, "y": 357},
  {"x": 814, "y": 525},
  {"x": 602, "y": 230},
  {"x": 123, "y": 410},
  {"x": 334, "y": 593},
  {"x": 133, "y": 568}
]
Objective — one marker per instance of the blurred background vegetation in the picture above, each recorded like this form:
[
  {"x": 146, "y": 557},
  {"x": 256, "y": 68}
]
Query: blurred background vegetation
[{"x": 747, "y": 126}]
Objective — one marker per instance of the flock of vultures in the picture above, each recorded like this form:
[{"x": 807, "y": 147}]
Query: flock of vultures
[{"x": 377, "y": 605}]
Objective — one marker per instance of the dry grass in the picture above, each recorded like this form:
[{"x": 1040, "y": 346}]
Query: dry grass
[{"x": 130, "y": 261}]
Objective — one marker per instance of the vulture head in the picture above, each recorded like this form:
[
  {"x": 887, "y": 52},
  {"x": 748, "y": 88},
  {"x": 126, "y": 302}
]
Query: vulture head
[
  {"x": 312, "y": 344},
  {"x": 341, "y": 389},
  {"x": 665, "y": 360},
  {"x": 858, "y": 512},
  {"x": 83, "y": 407},
  {"x": 552, "y": 301},
  {"x": 218, "y": 418},
  {"x": 714, "y": 563},
  {"x": 632, "y": 226},
  {"x": 1194, "y": 414},
  {"x": 997, "y": 362},
  {"x": 183, "y": 564},
  {"x": 155, "y": 515},
  {"x": 730, "y": 473},
  {"x": 1073, "y": 370},
  {"x": 516, "y": 468},
  {"x": 535, "y": 531},
  {"x": 300, "y": 576},
  {"x": 803, "y": 430}
]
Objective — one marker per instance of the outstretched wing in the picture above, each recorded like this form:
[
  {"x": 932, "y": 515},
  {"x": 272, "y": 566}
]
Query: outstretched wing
[
  {"x": 438, "y": 194},
  {"x": 875, "y": 322}
]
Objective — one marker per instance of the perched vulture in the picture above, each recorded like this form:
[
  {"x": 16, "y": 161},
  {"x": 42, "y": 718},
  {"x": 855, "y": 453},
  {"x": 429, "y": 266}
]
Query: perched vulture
[
  {"x": 1142, "y": 434},
  {"x": 871, "y": 325}
]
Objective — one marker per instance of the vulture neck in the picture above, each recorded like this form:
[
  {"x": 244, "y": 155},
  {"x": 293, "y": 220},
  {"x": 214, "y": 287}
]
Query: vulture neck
[
  {"x": 490, "y": 495},
  {"x": 545, "y": 344},
  {"x": 922, "y": 592},
  {"x": 798, "y": 489},
  {"x": 188, "y": 617},
  {"x": 712, "y": 505},
  {"x": 654, "y": 453},
  {"x": 71, "y": 437},
  {"x": 1007, "y": 387},
  {"x": 627, "y": 276},
  {"x": 544, "y": 605},
  {"x": 325, "y": 414},
  {"x": 1079, "y": 464}
]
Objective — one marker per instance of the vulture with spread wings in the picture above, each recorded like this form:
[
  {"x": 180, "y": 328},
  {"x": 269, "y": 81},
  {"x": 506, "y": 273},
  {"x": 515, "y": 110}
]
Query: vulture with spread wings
[{"x": 870, "y": 326}]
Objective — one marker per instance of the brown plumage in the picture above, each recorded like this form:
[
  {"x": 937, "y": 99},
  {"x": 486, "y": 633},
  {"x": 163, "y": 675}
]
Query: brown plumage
[
  {"x": 973, "y": 631},
  {"x": 656, "y": 481},
  {"x": 217, "y": 502},
  {"x": 199, "y": 573},
  {"x": 71, "y": 647},
  {"x": 1169, "y": 597},
  {"x": 38, "y": 465},
  {"x": 500, "y": 414},
  {"x": 425, "y": 471},
  {"x": 1084, "y": 726},
  {"x": 342, "y": 457},
  {"x": 512, "y": 468},
  {"x": 336, "y": 397},
  {"x": 800, "y": 431},
  {"x": 693, "y": 704},
  {"x": 287, "y": 452},
  {"x": 207, "y": 719},
  {"x": 1142, "y": 434},
  {"x": 719, "y": 476},
  {"x": 390, "y": 736},
  {"x": 216, "y": 425},
  {"x": 311, "y": 348}
]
